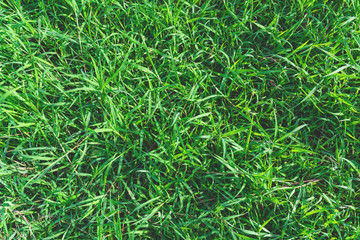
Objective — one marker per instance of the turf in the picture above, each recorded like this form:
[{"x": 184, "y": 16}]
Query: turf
[{"x": 179, "y": 119}]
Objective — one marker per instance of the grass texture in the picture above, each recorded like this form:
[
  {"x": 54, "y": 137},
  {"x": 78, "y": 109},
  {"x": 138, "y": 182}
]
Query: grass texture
[{"x": 179, "y": 119}]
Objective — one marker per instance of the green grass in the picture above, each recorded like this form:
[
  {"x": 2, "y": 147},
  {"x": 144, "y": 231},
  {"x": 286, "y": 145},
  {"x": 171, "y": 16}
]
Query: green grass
[{"x": 179, "y": 119}]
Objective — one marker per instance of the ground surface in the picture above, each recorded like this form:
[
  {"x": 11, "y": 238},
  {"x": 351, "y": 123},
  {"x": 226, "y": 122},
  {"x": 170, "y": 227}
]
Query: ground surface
[{"x": 179, "y": 119}]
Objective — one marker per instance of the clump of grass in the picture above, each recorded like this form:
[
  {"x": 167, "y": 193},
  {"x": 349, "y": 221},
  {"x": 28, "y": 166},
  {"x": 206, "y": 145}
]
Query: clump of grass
[{"x": 180, "y": 119}]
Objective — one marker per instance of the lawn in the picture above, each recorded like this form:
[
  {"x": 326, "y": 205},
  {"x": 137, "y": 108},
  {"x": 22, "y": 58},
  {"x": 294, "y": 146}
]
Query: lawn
[{"x": 179, "y": 119}]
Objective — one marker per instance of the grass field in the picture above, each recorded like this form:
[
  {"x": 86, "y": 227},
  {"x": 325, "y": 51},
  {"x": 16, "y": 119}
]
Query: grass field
[{"x": 179, "y": 119}]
